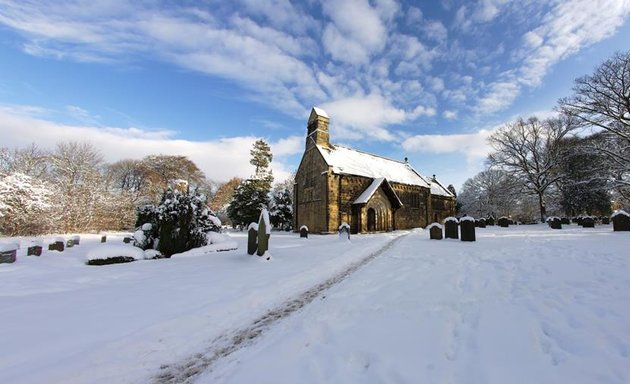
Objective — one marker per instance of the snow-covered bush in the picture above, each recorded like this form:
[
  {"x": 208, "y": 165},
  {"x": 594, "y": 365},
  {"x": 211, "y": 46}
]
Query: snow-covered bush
[
  {"x": 113, "y": 254},
  {"x": 26, "y": 205},
  {"x": 179, "y": 223}
]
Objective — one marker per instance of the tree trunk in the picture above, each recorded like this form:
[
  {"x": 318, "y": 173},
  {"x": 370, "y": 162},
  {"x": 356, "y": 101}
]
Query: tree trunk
[{"x": 543, "y": 210}]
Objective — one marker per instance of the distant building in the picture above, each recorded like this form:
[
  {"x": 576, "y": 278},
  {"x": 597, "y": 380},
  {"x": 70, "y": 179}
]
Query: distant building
[{"x": 336, "y": 184}]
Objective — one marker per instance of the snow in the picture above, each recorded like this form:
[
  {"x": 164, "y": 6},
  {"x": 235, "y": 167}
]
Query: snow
[
  {"x": 451, "y": 218},
  {"x": 304, "y": 227},
  {"x": 8, "y": 247},
  {"x": 467, "y": 218},
  {"x": 147, "y": 226},
  {"x": 348, "y": 161},
  {"x": 215, "y": 220},
  {"x": 434, "y": 225},
  {"x": 344, "y": 225},
  {"x": 253, "y": 226},
  {"x": 619, "y": 212},
  {"x": 106, "y": 251},
  {"x": 320, "y": 112},
  {"x": 264, "y": 216},
  {"x": 526, "y": 304},
  {"x": 438, "y": 189},
  {"x": 366, "y": 195}
]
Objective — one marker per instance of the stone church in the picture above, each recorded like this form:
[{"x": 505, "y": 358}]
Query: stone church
[{"x": 336, "y": 184}]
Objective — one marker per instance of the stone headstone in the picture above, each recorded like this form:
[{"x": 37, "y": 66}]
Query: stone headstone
[
  {"x": 481, "y": 223},
  {"x": 8, "y": 253},
  {"x": 588, "y": 222},
  {"x": 451, "y": 231},
  {"x": 252, "y": 238},
  {"x": 621, "y": 221},
  {"x": 344, "y": 231},
  {"x": 103, "y": 238},
  {"x": 57, "y": 245},
  {"x": 69, "y": 243},
  {"x": 467, "y": 227},
  {"x": 503, "y": 222},
  {"x": 490, "y": 221},
  {"x": 555, "y": 223},
  {"x": 605, "y": 220},
  {"x": 565, "y": 221},
  {"x": 304, "y": 231},
  {"x": 435, "y": 231},
  {"x": 34, "y": 250},
  {"x": 263, "y": 236},
  {"x": 127, "y": 239},
  {"x": 76, "y": 240}
]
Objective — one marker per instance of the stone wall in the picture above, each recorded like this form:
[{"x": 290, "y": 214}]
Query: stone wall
[
  {"x": 442, "y": 207},
  {"x": 310, "y": 193},
  {"x": 413, "y": 213}
]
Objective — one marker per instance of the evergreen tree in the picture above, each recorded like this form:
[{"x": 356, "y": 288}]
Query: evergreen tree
[
  {"x": 252, "y": 195},
  {"x": 282, "y": 209}
]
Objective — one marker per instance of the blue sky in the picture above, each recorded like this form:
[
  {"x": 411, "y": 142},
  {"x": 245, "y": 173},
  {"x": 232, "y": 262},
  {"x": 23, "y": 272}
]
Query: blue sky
[{"x": 426, "y": 80}]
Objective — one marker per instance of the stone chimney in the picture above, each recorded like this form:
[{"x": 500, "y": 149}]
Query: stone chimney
[{"x": 317, "y": 129}]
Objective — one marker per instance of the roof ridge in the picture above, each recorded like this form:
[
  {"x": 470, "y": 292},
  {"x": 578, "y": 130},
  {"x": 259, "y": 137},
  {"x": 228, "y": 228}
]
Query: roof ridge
[{"x": 368, "y": 153}]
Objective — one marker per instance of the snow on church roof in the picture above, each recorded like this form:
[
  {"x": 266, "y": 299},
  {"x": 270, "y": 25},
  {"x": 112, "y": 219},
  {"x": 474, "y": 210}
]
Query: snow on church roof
[
  {"x": 369, "y": 191},
  {"x": 352, "y": 162},
  {"x": 438, "y": 189}
]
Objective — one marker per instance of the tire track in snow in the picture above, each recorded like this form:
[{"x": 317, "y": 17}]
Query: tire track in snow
[{"x": 187, "y": 370}]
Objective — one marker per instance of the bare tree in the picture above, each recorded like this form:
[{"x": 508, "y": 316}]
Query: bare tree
[
  {"x": 529, "y": 150},
  {"x": 602, "y": 101},
  {"x": 492, "y": 192}
]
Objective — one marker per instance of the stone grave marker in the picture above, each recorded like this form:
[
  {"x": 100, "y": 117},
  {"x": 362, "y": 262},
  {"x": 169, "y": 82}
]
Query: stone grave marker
[
  {"x": 481, "y": 223},
  {"x": 76, "y": 239},
  {"x": 605, "y": 220},
  {"x": 34, "y": 250},
  {"x": 8, "y": 253},
  {"x": 490, "y": 221},
  {"x": 344, "y": 231},
  {"x": 252, "y": 238},
  {"x": 435, "y": 231},
  {"x": 621, "y": 221},
  {"x": 503, "y": 222},
  {"x": 451, "y": 231},
  {"x": 565, "y": 221},
  {"x": 304, "y": 231},
  {"x": 103, "y": 238},
  {"x": 554, "y": 222},
  {"x": 588, "y": 222},
  {"x": 264, "y": 232},
  {"x": 467, "y": 228}
]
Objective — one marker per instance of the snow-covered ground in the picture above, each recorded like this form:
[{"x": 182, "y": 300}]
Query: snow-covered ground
[{"x": 520, "y": 305}]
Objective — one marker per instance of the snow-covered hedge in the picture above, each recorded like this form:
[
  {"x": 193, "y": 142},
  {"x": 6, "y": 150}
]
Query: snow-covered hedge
[{"x": 113, "y": 254}]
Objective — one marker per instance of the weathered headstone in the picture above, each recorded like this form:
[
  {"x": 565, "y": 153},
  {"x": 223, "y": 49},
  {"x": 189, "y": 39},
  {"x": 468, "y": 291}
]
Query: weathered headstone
[
  {"x": 76, "y": 239},
  {"x": 490, "y": 221},
  {"x": 127, "y": 239},
  {"x": 34, "y": 250},
  {"x": 56, "y": 245},
  {"x": 103, "y": 238},
  {"x": 252, "y": 238},
  {"x": 435, "y": 231},
  {"x": 605, "y": 220},
  {"x": 264, "y": 232},
  {"x": 565, "y": 221},
  {"x": 588, "y": 222},
  {"x": 503, "y": 222},
  {"x": 304, "y": 231},
  {"x": 450, "y": 228},
  {"x": 481, "y": 223},
  {"x": 621, "y": 221},
  {"x": 555, "y": 223},
  {"x": 344, "y": 231},
  {"x": 69, "y": 243},
  {"x": 467, "y": 227},
  {"x": 8, "y": 253}
]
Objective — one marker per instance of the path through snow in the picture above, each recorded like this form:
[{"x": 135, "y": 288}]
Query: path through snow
[{"x": 228, "y": 343}]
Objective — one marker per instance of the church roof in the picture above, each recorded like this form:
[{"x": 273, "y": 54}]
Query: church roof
[
  {"x": 349, "y": 161},
  {"x": 438, "y": 189},
  {"x": 372, "y": 188}
]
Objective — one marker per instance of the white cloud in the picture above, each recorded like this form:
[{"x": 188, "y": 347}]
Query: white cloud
[
  {"x": 450, "y": 115},
  {"x": 473, "y": 145},
  {"x": 219, "y": 159}
]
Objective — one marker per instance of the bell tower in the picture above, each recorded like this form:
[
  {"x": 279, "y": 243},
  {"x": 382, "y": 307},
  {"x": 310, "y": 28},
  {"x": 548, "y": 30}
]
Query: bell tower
[{"x": 317, "y": 129}]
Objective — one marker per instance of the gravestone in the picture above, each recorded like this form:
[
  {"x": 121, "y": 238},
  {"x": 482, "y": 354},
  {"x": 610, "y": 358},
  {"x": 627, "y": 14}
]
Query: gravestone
[
  {"x": 555, "y": 223},
  {"x": 435, "y": 231},
  {"x": 504, "y": 222},
  {"x": 578, "y": 220},
  {"x": 450, "y": 228},
  {"x": 467, "y": 228},
  {"x": 69, "y": 243},
  {"x": 103, "y": 238},
  {"x": 605, "y": 220},
  {"x": 565, "y": 221},
  {"x": 588, "y": 222},
  {"x": 8, "y": 253},
  {"x": 56, "y": 245},
  {"x": 127, "y": 239},
  {"x": 34, "y": 250},
  {"x": 76, "y": 239},
  {"x": 621, "y": 221},
  {"x": 304, "y": 231},
  {"x": 252, "y": 238},
  {"x": 264, "y": 229},
  {"x": 481, "y": 223},
  {"x": 490, "y": 221},
  {"x": 344, "y": 231}
]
